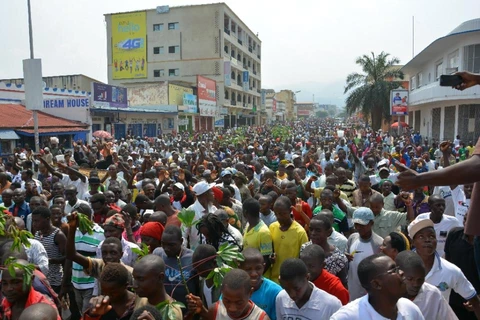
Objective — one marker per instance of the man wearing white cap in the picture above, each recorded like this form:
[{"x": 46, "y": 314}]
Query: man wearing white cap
[
  {"x": 440, "y": 273},
  {"x": 202, "y": 206},
  {"x": 226, "y": 176}
]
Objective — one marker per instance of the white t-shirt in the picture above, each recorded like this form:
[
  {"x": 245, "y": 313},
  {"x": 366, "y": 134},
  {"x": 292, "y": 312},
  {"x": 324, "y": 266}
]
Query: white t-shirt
[
  {"x": 446, "y": 276},
  {"x": 360, "y": 250},
  {"x": 461, "y": 203},
  {"x": 82, "y": 187},
  {"x": 441, "y": 229},
  {"x": 321, "y": 305},
  {"x": 446, "y": 193},
  {"x": 361, "y": 309},
  {"x": 207, "y": 293},
  {"x": 432, "y": 304}
]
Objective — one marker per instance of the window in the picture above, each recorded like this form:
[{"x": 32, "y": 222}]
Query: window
[
  {"x": 173, "y": 26},
  {"x": 438, "y": 70},
  {"x": 158, "y": 27},
  {"x": 157, "y": 50},
  {"x": 413, "y": 83},
  {"x": 471, "y": 58},
  {"x": 173, "y": 72},
  {"x": 158, "y": 73},
  {"x": 174, "y": 49},
  {"x": 419, "y": 80},
  {"x": 452, "y": 62}
]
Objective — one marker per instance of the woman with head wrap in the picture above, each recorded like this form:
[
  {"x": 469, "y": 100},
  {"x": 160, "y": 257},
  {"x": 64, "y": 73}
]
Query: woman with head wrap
[{"x": 395, "y": 243}]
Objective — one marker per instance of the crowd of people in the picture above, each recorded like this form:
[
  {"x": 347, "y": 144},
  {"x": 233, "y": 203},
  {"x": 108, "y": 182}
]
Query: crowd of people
[{"x": 334, "y": 221}]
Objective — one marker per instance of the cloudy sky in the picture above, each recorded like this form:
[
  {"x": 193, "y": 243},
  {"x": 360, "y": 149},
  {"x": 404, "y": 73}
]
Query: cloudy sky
[{"x": 307, "y": 45}]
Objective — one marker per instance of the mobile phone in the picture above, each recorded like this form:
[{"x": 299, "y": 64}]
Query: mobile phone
[{"x": 450, "y": 80}]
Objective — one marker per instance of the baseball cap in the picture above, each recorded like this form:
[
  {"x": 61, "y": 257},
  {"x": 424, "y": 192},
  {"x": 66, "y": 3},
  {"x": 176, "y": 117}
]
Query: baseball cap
[
  {"x": 290, "y": 165},
  {"x": 179, "y": 186},
  {"x": 383, "y": 162},
  {"x": 363, "y": 216},
  {"x": 206, "y": 173},
  {"x": 202, "y": 187},
  {"x": 295, "y": 156},
  {"x": 46, "y": 149},
  {"x": 384, "y": 169},
  {"x": 226, "y": 172},
  {"x": 416, "y": 225}
]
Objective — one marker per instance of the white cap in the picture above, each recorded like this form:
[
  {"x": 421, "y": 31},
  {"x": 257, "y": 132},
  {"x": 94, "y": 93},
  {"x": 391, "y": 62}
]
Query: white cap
[
  {"x": 180, "y": 186},
  {"x": 202, "y": 187}
]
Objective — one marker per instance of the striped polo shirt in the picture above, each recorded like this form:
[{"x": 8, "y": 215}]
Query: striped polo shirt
[{"x": 86, "y": 245}]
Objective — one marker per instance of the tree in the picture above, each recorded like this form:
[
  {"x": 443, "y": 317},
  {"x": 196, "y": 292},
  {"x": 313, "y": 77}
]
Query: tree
[{"x": 370, "y": 92}]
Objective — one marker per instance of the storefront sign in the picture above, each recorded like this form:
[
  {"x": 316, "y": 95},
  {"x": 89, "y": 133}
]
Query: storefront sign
[
  {"x": 207, "y": 101},
  {"x": 66, "y": 103},
  {"x": 190, "y": 103}
]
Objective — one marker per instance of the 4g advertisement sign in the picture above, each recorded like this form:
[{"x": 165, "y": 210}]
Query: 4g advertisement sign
[{"x": 129, "y": 46}]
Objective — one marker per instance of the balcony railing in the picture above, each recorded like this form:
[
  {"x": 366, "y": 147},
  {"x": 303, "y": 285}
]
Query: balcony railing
[
  {"x": 240, "y": 41},
  {"x": 250, "y": 49},
  {"x": 227, "y": 31},
  {"x": 258, "y": 56}
]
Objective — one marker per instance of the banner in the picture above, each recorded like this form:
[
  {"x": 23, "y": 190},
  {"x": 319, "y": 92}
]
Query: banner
[
  {"x": 190, "y": 102},
  {"x": 129, "y": 49},
  {"x": 207, "y": 101},
  {"x": 219, "y": 122},
  {"x": 176, "y": 94},
  {"x": 274, "y": 105},
  {"x": 109, "y": 96},
  {"x": 246, "y": 81},
  {"x": 227, "y": 67},
  {"x": 399, "y": 102},
  {"x": 148, "y": 95}
]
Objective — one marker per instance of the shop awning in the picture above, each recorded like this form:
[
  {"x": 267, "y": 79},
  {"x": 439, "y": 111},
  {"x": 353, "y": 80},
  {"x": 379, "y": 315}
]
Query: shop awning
[
  {"x": 162, "y": 109},
  {"x": 8, "y": 135},
  {"x": 53, "y": 131}
]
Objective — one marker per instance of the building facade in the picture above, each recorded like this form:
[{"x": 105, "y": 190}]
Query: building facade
[
  {"x": 289, "y": 97},
  {"x": 180, "y": 43},
  {"x": 442, "y": 112},
  {"x": 76, "y": 82}
]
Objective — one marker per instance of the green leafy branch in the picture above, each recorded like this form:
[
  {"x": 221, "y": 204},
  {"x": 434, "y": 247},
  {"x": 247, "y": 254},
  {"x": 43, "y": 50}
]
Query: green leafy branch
[
  {"x": 167, "y": 309},
  {"x": 9, "y": 229},
  {"x": 142, "y": 252},
  {"x": 187, "y": 218},
  {"x": 11, "y": 265},
  {"x": 85, "y": 225}
]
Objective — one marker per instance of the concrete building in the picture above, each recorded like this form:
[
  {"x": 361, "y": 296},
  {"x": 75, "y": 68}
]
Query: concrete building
[
  {"x": 442, "y": 112},
  {"x": 305, "y": 110},
  {"x": 289, "y": 97},
  {"x": 208, "y": 40},
  {"x": 76, "y": 82}
]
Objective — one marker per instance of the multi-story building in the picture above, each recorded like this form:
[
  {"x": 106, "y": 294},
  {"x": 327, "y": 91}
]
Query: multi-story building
[
  {"x": 288, "y": 96},
  {"x": 182, "y": 42},
  {"x": 442, "y": 112},
  {"x": 305, "y": 110},
  {"x": 77, "y": 82}
]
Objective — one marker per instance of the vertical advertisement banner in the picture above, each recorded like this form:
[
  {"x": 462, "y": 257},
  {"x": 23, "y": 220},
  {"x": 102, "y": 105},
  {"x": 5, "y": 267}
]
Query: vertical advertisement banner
[
  {"x": 207, "y": 101},
  {"x": 246, "y": 81},
  {"x": 399, "y": 102},
  {"x": 227, "y": 71},
  {"x": 129, "y": 45},
  {"x": 274, "y": 105}
]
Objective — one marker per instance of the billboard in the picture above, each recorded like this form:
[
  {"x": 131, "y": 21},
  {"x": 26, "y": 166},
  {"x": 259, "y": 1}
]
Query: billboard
[
  {"x": 190, "y": 102},
  {"x": 176, "y": 94},
  {"x": 129, "y": 45},
  {"x": 274, "y": 105},
  {"x": 207, "y": 101},
  {"x": 148, "y": 95},
  {"x": 399, "y": 102},
  {"x": 32, "y": 75},
  {"x": 109, "y": 96},
  {"x": 246, "y": 81}
]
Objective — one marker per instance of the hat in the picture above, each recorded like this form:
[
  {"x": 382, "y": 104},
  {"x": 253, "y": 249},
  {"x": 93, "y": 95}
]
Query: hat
[
  {"x": 217, "y": 194},
  {"x": 202, "y": 187},
  {"x": 290, "y": 165},
  {"x": 384, "y": 169},
  {"x": 179, "y": 186},
  {"x": 133, "y": 153},
  {"x": 129, "y": 158},
  {"x": 295, "y": 156},
  {"x": 241, "y": 176},
  {"x": 115, "y": 221},
  {"x": 46, "y": 149},
  {"x": 363, "y": 216},
  {"x": 152, "y": 229},
  {"x": 173, "y": 165},
  {"x": 207, "y": 173},
  {"x": 225, "y": 172},
  {"x": 383, "y": 162},
  {"x": 416, "y": 225}
]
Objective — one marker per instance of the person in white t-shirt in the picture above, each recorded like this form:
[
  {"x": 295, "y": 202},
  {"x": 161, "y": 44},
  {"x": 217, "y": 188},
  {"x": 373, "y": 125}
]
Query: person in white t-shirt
[
  {"x": 441, "y": 273},
  {"x": 426, "y": 296},
  {"x": 301, "y": 299},
  {"x": 442, "y": 223},
  {"x": 384, "y": 283},
  {"x": 446, "y": 193}
]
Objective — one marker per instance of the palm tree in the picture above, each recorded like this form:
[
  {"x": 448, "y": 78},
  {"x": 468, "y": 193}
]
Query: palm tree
[{"x": 370, "y": 92}]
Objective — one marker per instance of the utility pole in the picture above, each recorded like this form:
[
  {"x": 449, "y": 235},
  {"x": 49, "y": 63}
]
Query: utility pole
[{"x": 35, "y": 112}]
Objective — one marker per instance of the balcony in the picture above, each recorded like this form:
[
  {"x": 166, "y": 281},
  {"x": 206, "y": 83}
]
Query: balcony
[
  {"x": 239, "y": 83},
  {"x": 258, "y": 56},
  {"x": 227, "y": 31},
  {"x": 259, "y": 91},
  {"x": 245, "y": 67},
  {"x": 240, "y": 41},
  {"x": 432, "y": 92},
  {"x": 233, "y": 103},
  {"x": 250, "y": 49}
]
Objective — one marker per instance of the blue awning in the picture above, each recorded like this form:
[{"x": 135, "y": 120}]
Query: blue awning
[
  {"x": 8, "y": 135},
  {"x": 160, "y": 109}
]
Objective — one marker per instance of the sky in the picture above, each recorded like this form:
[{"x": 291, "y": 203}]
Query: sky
[{"x": 308, "y": 45}]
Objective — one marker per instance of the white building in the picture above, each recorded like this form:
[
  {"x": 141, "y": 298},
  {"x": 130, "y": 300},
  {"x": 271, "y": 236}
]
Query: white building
[{"x": 442, "y": 112}]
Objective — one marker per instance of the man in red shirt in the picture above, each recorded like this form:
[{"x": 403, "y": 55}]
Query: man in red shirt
[
  {"x": 314, "y": 257},
  {"x": 18, "y": 295},
  {"x": 304, "y": 215}
]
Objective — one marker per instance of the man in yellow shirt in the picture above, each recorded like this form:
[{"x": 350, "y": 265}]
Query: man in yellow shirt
[
  {"x": 287, "y": 236},
  {"x": 257, "y": 235}
]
